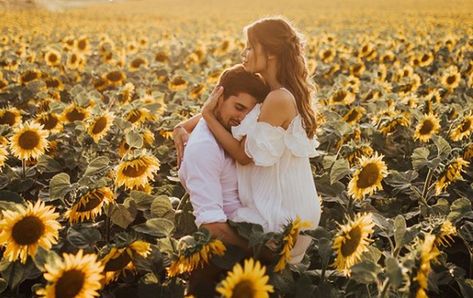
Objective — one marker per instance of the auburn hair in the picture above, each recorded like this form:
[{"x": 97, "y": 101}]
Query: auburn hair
[
  {"x": 278, "y": 37},
  {"x": 236, "y": 80}
]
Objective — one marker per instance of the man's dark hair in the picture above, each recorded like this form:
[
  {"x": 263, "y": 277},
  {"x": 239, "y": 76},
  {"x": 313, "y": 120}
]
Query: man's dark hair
[{"x": 236, "y": 80}]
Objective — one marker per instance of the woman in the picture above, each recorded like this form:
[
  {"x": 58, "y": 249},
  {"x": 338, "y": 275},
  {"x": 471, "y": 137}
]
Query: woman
[{"x": 272, "y": 145}]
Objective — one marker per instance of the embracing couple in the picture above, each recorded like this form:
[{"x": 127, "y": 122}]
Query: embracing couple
[{"x": 247, "y": 156}]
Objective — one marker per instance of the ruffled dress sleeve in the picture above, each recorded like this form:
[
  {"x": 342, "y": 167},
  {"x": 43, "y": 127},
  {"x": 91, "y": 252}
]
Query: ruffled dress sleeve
[
  {"x": 297, "y": 141},
  {"x": 264, "y": 143}
]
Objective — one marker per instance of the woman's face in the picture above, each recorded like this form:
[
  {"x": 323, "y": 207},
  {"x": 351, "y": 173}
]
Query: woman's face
[{"x": 253, "y": 58}]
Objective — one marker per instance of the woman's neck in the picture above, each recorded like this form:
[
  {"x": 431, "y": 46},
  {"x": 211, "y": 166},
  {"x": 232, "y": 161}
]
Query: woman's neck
[{"x": 269, "y": 76}]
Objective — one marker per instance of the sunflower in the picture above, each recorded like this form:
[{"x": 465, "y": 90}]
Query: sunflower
[
  {"x": 354, "y": 115},
  {"x": 249, "y": 281},
  {"x": 389, "y": 125},
  {"x": 447, "y": 231},
  {"x": 463, "y": 130},
  {"x": 428, "y": 252},
  {"x": 451, "y": 173},
  {"x": 137, "y": 63},
  {"x": 29, "y": 76},
  {"x": 177, "y": 83},
  {"x": 89, "y": 206},
  {"x": 159, "y": 107},
  {"x": 126, "y": 93},
  {"x": 83, "y": 45},
  {"x": 50, "y": 121},
  {"x": 73, "y": 60},
  {"x": 76, "y": 276},
  {"x": 367, "y": 179},
  {"x": 372, "y": 94},
  {"x": 354, "y": 136},
  {"x": 291, "y": 232},
  {"x": 161, "y": 57},
  {"x": 74, "y": 113},
  {"x": 351, "y": 241},
  {"x": 28, "y": 228},
  {"x": 357, "y": 68},
  {"x": 223, "y": 48},
  {"x": 137, "y": 171},
  {"x": 99, "y": 126},
  {"x": 187, "y": 262},
  {"x": 148, "y": 141},
  {"x": 427, "y": 127},
  {"x": 115, "y": 78},
  {"x": 29, "y": 141},
  {"x": 197, "y": 91},
  {"x": 54, "y": 83},
  {"x": 468, "y": 152},
  {"x": 327, "y": 55},
  {"x": 359, "y": 151},
  {"x": 100, "y": 84},
  {"x": 343, "y": 97},
  {"x": 3, "y": 84},
  {"x": 120, "y": 260},
  {"x": 450, "y": 79},
  {"x": 3, "y": 156},
  {"x": 68, "y": 42},
  {"x": 52, "y": 57},
  {"x": 212, "y": 76},
  {"x": 426, "y": 59},
  {"x": 10, "y": 116},
  {"x": 138, "y": 116}
]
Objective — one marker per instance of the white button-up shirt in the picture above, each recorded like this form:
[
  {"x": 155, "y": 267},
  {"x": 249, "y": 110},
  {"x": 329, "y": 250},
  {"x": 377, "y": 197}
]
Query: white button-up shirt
[{"x": 209, "y": 175}]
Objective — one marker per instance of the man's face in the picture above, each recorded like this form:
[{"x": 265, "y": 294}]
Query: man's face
[{"x": 232, "y": 110}]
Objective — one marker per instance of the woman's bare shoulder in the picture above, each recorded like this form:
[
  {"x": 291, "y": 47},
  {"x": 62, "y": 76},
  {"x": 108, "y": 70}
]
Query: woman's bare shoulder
[{"x": 279, "y": 98}]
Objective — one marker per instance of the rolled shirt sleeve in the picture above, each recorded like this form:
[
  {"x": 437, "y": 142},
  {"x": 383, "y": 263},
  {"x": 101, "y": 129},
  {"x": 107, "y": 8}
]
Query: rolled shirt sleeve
[{"x": 200, "y": 174}]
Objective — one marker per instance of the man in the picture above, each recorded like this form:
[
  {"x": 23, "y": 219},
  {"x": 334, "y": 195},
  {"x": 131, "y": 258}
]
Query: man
[{"x": 207, "y": 172}]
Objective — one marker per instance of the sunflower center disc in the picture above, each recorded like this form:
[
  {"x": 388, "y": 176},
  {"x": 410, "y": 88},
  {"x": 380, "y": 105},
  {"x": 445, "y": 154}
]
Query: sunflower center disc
[
  {"x": 93, "y": 201},
  {"x": 75, "y": 115},
  {"x": 350, "y": 245},
  {"x": 49, "y": 122},
  {"x": 99, "y": 125},
  {"x": 28, "y": 140},
  {"x": 70, "y": 284},
  {"x": 131, "y": 171},
  {"x": 114, "y": 76},
  {"x": 451, "y": 80},
  {"x": 465, "y": 126},
  {"x": 426, "y": 128},
  {"x": 368, "y": 176},
  {"x": 243, "y": 289},
  {"x": 118, "y": 263},
  {"x": 28, "y": 230},
  {"x": 8, "y": 118}
]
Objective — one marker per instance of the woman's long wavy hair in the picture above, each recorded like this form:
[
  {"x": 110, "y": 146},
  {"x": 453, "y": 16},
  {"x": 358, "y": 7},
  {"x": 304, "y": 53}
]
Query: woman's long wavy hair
[{"x": 278, "y": 37}]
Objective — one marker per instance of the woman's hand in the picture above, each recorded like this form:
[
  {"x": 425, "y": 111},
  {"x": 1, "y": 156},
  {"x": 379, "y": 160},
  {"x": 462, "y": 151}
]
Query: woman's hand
[
  {"x": 180, "y": 137},
  {"x": 208, "y": 109}
]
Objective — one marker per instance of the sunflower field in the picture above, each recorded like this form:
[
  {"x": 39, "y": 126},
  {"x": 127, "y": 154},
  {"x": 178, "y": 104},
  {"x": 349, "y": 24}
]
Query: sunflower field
[{"x": 90, "y": 202}]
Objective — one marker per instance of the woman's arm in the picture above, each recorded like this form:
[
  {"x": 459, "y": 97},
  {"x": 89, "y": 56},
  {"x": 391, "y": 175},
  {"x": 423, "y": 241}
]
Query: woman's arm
[
  {"x": 235, "y": 148},
  {"x": 190, "y": 123}
]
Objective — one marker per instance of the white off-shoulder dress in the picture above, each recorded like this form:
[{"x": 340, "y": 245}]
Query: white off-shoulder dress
[{"x": 279, "y": 185}]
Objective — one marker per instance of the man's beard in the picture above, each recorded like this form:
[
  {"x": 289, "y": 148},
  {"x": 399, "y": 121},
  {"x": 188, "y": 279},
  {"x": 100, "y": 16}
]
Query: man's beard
[{"x": 220, "y": 119}]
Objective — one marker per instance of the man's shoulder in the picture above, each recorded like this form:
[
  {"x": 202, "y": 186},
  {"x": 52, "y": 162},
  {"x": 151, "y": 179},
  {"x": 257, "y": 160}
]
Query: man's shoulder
[{"x": 202, "y": 140}]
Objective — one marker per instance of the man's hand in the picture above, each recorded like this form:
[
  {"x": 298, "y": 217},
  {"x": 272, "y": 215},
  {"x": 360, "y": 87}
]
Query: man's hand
[
  {"x": 208, "y": 109},
  {"x": 180, "y": 137}
]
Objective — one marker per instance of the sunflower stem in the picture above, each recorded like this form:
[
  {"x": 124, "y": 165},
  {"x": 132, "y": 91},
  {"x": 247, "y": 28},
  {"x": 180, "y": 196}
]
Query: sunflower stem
[
  {"x": 108, "y": 223},
  {"x": 384, "y": 289},
  {"x": 23, "y": 167},
  {"x": 426, "y": 186}
]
